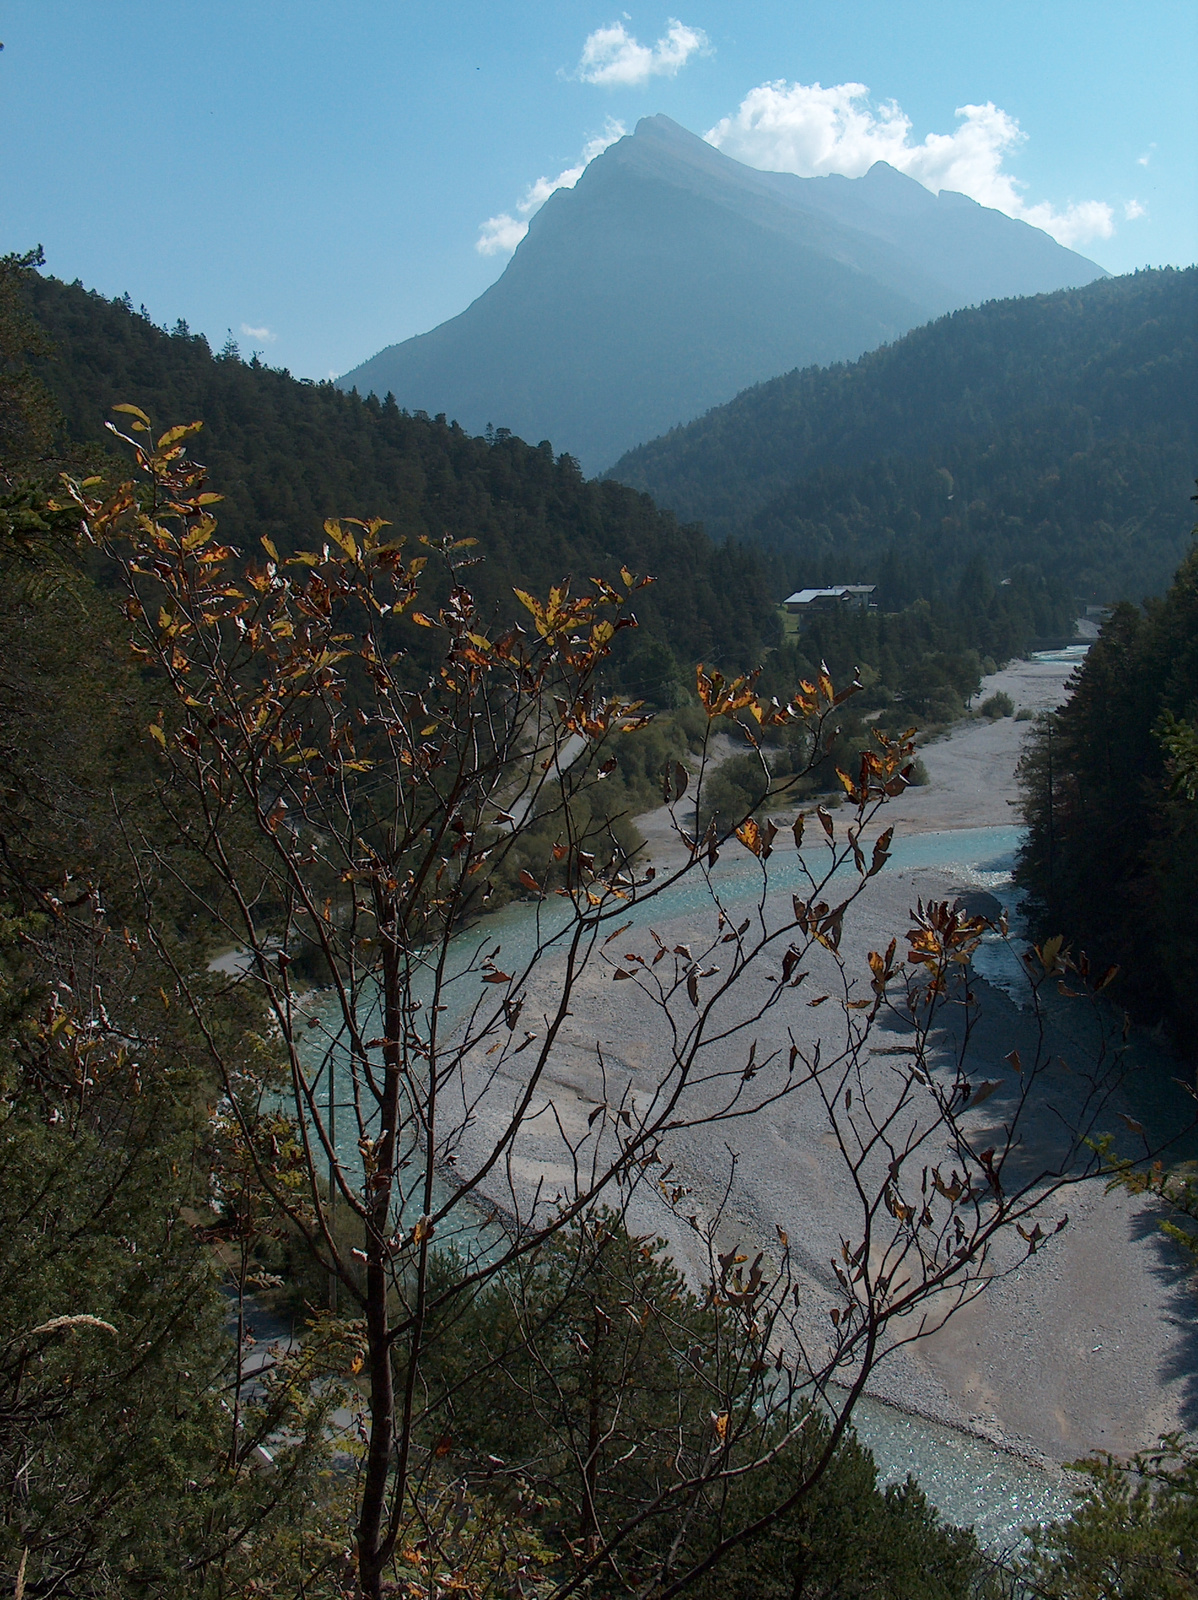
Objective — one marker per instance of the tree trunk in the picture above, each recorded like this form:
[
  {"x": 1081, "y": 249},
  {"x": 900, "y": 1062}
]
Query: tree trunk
[
  {"x": 371, "y": 1555},
  {"x": 374, "y": 1546},
  {"x": 590, "y": 1523}
]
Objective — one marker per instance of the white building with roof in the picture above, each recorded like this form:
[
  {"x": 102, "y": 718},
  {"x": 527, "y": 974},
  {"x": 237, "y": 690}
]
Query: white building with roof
[{"x": 841, "y": 594}]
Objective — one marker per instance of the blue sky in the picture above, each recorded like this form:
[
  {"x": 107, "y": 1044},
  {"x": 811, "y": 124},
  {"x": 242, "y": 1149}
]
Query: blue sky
[{"x": 318, "y": 178}]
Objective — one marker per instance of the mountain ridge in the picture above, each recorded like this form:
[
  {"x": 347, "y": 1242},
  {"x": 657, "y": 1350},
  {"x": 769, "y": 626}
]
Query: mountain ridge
[
  {"x": 671, "y": 277},
  {"x": 1070, "y": 422}
]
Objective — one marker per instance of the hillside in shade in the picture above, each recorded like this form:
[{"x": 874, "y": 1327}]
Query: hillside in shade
[
  {"x": 286, "y": 454},
  {"x": 1057, "y": 433},
  {"x": 671, "y": 277}
]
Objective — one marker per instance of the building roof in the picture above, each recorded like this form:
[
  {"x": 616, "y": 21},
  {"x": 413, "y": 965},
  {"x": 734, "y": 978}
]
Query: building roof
[{"x": 804, "y": 597}]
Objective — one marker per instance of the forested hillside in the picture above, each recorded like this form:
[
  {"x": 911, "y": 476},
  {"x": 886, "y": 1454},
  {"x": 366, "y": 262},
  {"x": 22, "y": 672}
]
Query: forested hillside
[
  {"x": 136, "y": 1459},
  {"x": 1110, "y": 786},
  {"x": 286, "y": 454},
  {"x": 1056, "y": 433}
]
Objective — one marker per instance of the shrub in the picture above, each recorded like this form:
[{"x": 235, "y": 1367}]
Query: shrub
[{"x": 732, "y": 791}]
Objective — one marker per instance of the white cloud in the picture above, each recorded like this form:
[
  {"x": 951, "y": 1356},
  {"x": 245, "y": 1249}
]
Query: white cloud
[
  {"x": 264, "y": 334},
  {"x": 810, "y": 130},
  {"x": 501, "y": 234},
  {"x": 1142, "y": 161},
  {"x": 614, "y": 57},
  {"x": 1134, "y": 209}
]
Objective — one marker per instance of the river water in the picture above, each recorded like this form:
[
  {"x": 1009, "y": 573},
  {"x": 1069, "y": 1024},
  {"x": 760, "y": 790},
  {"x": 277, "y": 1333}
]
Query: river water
[{"x": 970, "y": 1481}]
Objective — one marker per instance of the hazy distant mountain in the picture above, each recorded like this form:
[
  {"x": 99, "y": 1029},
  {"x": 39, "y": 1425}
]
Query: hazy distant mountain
[{"x": 671, "y": 277}]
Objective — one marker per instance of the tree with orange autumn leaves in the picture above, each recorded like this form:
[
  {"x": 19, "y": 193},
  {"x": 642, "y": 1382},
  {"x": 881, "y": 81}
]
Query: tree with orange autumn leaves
[{"x": 344, "y": 775}]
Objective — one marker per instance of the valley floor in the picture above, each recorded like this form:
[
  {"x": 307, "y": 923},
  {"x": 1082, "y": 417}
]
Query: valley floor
[{"x": 1092, "y": 1344}]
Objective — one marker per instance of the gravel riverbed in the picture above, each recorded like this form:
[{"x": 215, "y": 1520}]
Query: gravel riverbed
[{"x": 1091, "y": 1344}]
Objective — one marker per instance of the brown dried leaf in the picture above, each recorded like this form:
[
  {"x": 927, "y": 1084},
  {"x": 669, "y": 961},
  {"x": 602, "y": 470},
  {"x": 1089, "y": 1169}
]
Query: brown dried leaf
[{"x": 749, "y": 835}]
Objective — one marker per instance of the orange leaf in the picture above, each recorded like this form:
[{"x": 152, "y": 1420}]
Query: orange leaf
[{"x": 749, "y": 835}]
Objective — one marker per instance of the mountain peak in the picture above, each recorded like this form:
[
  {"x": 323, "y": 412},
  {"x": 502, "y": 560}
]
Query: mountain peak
[
  {"x": 665, "y": 143},
  {"x": 672, "y": 276},
  {"x": 659, "y": 126},
  {"x": 883, "y": 173}
]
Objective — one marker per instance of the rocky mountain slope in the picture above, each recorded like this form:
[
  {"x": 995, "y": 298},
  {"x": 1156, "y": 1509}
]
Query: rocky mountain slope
[{"x": 671, "y": 277}]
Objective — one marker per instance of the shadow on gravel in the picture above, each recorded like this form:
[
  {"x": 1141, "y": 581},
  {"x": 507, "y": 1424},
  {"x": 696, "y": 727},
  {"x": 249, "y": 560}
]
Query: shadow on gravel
[{"x": 1179, "y": 1307}]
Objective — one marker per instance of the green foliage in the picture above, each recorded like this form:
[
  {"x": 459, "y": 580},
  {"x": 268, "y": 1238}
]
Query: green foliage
[
  {"x": 1133, "y": 1536},
  {"x": 923, "y": 664},
  {"x": 129, "y": 1190},
  {"x": 129, "y": 1193},
  {"x": 131, "y": 1468},
  {"x": 75, "y": 761},
  {"x": 288, "y": 454},
  {"x": 734, "y": 789},
  {"x": 850, "y": 1539},
  {"x": 1179, "y": 741},
  {"x": 997, "y": 705},
  {"x": 604, "y": 808},
  {"x": 608, "y": 1374},
  {"x": 1054, "y": 433},
  {"x": 127, "y": 1472},
  {"x": 129, "y": 1464},
  {"x": 1112, "y": 844},
  {"x": 28, "y": 418},
  {"x": 916, "y": 671},
  {"x": 1176, "y": 1187}
]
